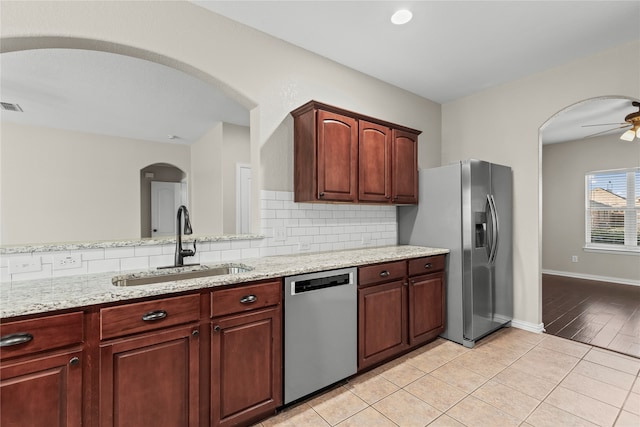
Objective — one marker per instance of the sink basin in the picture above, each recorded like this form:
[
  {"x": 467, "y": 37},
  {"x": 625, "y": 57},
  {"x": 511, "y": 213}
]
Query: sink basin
[{"x": 179, "y": 274}]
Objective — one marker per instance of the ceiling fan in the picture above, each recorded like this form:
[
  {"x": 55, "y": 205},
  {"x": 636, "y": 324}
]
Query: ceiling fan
[{"x": 631, "y": 121}]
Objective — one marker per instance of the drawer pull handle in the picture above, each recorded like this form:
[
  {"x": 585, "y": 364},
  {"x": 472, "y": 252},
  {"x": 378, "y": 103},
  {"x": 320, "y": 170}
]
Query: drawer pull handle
[
  {"x": 15, "y": 339},
  {"x": 152, "y": 316},
  {"x": 428, "y": 265},
  {"x": 384, "y": 273},
  {"x": 248, "y": 299}
]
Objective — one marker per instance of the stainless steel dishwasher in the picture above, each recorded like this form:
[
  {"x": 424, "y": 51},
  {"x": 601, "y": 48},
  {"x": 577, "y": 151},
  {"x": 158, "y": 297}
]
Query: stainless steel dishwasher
[{"x": 320, "y": 330}]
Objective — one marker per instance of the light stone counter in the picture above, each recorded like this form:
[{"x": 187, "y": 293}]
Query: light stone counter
[{"x": 40, "y": 296}]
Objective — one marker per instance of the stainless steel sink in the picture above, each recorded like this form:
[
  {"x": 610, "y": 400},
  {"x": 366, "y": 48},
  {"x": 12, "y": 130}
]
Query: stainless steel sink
[{"x": 179, "y": 274}]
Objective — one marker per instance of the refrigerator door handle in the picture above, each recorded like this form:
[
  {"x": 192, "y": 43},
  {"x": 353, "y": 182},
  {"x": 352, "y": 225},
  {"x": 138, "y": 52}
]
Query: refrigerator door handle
[{"x": 495, "y": 227}]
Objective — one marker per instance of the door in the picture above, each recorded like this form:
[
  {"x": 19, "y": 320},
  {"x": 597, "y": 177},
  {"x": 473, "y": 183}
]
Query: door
[
  {"x": 337, "y": 157},
  {"x": 42, "y": 392},
  {"x": 245, "y": 367},
  {"x": 151, "y": 380},
  {"x": 382, "y": 322},
  {"x": 426, "y": 307},
  {"x": 374, "y": 163},
  {"x": 165, "y": 200},
  {"x": 404, "y": 158}
]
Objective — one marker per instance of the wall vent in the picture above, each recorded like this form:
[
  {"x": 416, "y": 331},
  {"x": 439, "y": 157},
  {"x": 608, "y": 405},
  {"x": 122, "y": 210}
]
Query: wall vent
[{"x": 6, "y": 106}]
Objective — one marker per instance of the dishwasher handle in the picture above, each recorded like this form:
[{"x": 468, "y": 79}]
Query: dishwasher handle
[{"x": 318, "y": 283}]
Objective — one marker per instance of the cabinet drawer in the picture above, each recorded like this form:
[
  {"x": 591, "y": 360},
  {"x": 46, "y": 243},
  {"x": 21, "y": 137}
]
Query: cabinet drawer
[
  {"x": 44, "y": 333},
  {"x": 245, "y": 298},
  {"x": 382, "y": 272},
  {"x": 426, "y": 265},
  {"x": 146, "y": 316}
]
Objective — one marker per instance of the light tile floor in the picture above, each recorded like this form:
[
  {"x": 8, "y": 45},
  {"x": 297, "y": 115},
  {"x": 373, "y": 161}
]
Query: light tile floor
[{"x": 511, "y": 378}]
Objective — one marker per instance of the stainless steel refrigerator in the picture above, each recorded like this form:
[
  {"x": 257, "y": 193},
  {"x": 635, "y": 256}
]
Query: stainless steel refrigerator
[{"x": 467, "y": 207}]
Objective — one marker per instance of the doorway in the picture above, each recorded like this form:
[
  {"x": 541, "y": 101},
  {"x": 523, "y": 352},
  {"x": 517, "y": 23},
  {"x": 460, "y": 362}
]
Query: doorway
[
  {"x": 589, "y": 295},
  {"x": 163, "y": 188}
]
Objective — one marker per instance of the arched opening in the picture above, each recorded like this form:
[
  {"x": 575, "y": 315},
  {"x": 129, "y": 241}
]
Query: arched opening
[
  {"x": 163, "y": 188},
  {"x": 100, "y": 156},
  {"x": 589, "y": 290}
]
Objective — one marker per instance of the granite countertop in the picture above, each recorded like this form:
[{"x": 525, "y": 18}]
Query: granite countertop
[{"x": 45, "y": 295}]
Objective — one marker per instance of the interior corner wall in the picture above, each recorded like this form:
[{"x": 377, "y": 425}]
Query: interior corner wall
[
  {"x": 502, "y": 125},
  {"x": 564, "y": 167}
]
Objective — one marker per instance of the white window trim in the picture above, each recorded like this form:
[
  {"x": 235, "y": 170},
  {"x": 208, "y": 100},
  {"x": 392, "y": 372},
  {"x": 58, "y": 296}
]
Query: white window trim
[{"x": 630, "y": 231}]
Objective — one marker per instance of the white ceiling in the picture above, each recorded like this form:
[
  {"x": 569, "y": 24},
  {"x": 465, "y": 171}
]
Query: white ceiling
[{"x": 449, "y": 50}]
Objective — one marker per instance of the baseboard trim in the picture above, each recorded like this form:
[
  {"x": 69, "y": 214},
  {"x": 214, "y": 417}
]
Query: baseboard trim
[
  {"x": 530, "y": 327},
  {"x": 592, "y": 277}
]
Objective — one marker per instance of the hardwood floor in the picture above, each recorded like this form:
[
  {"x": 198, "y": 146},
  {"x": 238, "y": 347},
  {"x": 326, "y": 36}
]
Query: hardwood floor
[{"x": 601, "y": 314}]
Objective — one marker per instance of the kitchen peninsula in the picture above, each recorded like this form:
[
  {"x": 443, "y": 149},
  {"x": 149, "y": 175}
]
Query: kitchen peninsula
[{"x": 191, "y": 346}]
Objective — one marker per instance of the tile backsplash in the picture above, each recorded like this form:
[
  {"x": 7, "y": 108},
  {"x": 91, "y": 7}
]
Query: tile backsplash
[{"x": 288, "y": 227}]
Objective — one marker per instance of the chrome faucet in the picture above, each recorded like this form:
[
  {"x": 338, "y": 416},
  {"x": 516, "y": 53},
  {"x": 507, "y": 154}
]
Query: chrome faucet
[{"x": 182, "y": 253}]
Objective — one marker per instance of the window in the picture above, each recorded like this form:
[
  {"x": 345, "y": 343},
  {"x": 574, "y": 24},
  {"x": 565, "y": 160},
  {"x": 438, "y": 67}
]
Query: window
[{"x": 613, "y": 210}]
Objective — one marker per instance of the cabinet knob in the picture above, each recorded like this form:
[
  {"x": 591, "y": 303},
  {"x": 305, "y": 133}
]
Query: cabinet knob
[
  {"x": 405, "y": 284},
  {"x": 384, "y": 273},
  {"x": 321, "y": 194},
  {"x": 217, "y": 328},
  {"x": 74, "y": 361},
  {"x": 152, "y": 316},
  {"x": 15, "y": 339},
  {"x": 387, "y": 197},
  {"x": 427, "y": 265},
  {"x": 195, "y": 333}
]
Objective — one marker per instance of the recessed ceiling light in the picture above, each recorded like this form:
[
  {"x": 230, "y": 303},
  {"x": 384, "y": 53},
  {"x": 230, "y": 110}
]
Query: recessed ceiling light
[{"x": 401, "y": 17}]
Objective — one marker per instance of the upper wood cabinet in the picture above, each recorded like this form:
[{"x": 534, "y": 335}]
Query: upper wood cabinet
[{"x": 341, "y": 156}]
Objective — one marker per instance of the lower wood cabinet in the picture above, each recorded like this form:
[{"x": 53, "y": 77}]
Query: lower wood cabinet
[
  {"x": 246, "y": 367},
  {"x": 426, "y": 308},
  {"x": 41, "y": 371},
  {"x": 42, "y": 391},
  {"x": 151, "y": 379},
  {"x": 382, "y": 322},
  {"x": 400, "y": 306}
]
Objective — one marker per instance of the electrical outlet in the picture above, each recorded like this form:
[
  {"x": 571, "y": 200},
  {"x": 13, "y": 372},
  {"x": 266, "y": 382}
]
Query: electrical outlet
[
  {"x": 280, "y": 234},
  {"x": 25, "y": 264},
  {"x": 574, "y": 258},
  {"x": 65, "y": 262}
]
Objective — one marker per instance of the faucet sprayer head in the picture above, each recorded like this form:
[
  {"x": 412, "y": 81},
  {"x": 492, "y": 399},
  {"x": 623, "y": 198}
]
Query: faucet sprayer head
[{"x": 187, "y": 222}]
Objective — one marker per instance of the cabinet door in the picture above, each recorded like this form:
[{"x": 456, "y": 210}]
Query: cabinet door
[
  {"x": 382, "y": 322},
  {"x": 337, "y": 157},
  {"x": 404, "y": 167},
  {"x": 151, "y": 380},
  {"x": 246, "y": 367},
  {"x": 42, "y": 391},
  {"x": 426, "y": 307},
  {"x": 374, "y": 166}
]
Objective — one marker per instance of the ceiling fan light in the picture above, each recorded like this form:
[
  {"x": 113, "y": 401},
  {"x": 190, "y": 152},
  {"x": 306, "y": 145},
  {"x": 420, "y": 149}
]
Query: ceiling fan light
[
  {"x": 628, "y": 135},
  {"x": 401, "y": 17}
]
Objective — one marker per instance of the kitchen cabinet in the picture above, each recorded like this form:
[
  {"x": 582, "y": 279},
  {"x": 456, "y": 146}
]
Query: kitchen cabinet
[
  {"x": 382, "y": 312},
  {"x": 41, "y": 372},
  {"x": 400, "y": 306},
  {"x": 149, "y": 363},
  {"x": 342, "y": 156},
  {"x": 246, "y": 353},
  {"x": 426, "y": 299}
]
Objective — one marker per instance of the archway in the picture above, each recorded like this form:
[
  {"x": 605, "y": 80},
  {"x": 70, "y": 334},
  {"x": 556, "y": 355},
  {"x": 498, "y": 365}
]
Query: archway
[{"x": 587, "y": 290}]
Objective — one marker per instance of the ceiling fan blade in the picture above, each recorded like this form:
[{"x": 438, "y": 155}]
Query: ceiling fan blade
[
  {"x": 604, "y": 124},
  {"x": 626, "y": 125}
]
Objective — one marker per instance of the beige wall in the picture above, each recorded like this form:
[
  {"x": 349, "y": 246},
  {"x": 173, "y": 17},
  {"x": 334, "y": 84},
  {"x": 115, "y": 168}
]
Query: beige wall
[
  {"x": 501, "y": 125},
  {"x": 563, "y": 206},
  {"x": 206, "y": 182},
  {"x": 267, "y": 75},
  {"x": 236, "y": 149},
  {"x": 61, "y": 186}
]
